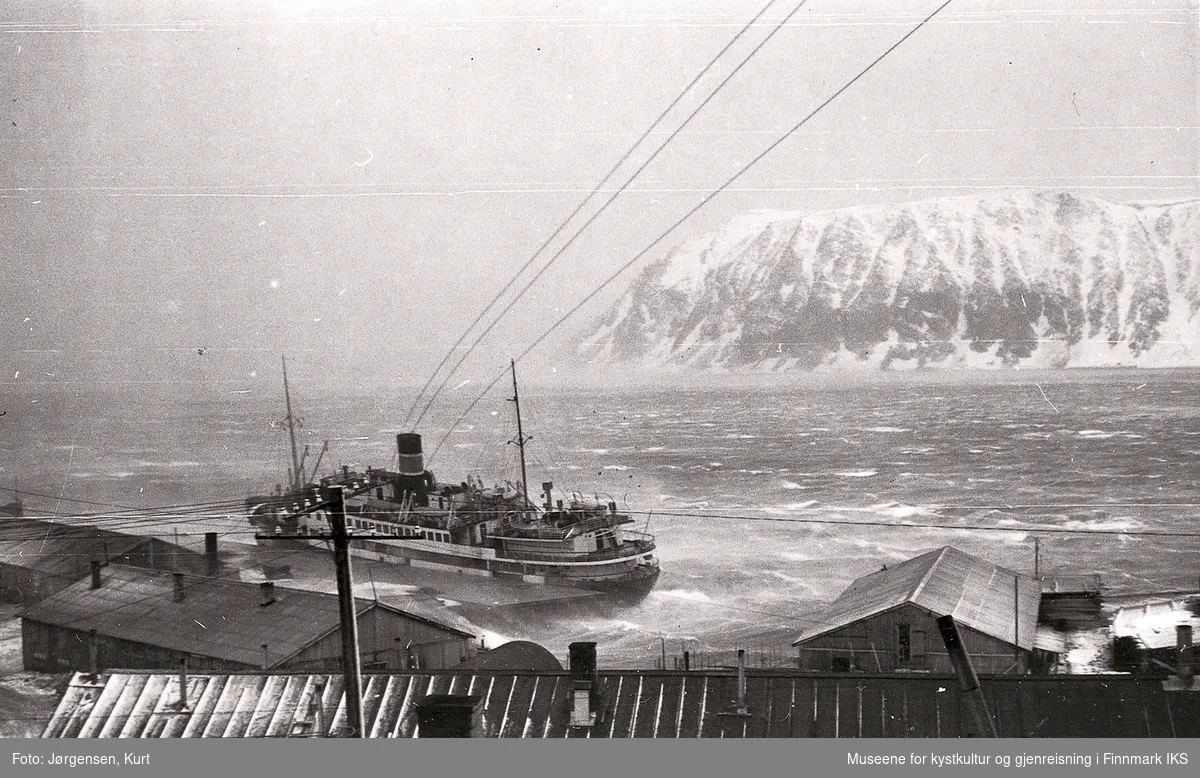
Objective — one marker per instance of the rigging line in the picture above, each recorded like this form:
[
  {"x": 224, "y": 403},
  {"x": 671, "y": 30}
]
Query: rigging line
[
  {"x": 704, "y": 201},
  {"x": 686, "y": 90}
]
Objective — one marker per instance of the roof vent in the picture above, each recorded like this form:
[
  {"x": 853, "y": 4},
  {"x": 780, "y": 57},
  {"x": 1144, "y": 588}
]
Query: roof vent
[
  {"x": 177, "y": 596},
  {"x": 268, "y": 593}
]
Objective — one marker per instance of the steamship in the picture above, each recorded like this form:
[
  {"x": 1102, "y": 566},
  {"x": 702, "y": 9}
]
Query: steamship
[{"x": 405, "y": 516}]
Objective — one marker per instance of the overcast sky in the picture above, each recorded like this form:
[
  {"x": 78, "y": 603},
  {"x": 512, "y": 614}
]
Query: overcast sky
[{"x": 350, "y": 183}]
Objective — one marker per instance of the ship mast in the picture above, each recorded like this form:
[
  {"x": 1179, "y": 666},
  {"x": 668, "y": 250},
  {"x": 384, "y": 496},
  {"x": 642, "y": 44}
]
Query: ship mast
[
  {"x": 521, "y": 439},
  {"x": 297, "y": 482}
]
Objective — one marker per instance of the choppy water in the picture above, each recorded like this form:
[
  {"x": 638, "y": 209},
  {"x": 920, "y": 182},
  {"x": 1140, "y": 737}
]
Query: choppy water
[{"x": 1113, "y": 451}]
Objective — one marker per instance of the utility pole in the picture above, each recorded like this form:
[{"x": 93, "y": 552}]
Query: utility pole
[{"x": 351, "y": 660}]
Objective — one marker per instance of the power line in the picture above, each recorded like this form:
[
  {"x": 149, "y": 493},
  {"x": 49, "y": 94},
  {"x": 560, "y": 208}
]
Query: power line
[
  {"x": 607, "y": 202},
  {"x": 1036, "y": 528},
  {"x": 688, "y": 215}
]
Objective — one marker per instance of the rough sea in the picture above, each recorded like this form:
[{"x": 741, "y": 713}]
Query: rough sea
[{"x": 753, "y": 488}]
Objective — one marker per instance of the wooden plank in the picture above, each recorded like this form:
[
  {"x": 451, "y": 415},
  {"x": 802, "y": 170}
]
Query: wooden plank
[
  {"x": 849, "y": 709},
  {"x": 670, "y": 702},
  {"x": 826, "y": 724},
  {"x": 950, "y": 707},
  {"x": 921, "y": 708},
  {"x": 648, "y": 706},
  {"x": 623, "y": 706},
  {"x": 894, "y": 704},
  {"x": 720, "y": 697},
  {"x": 519, "y": 705},
  {"x": 559, "y": 716},
  {"x": 538, "y": 710},
  {"x": 496, "y": 705},
  {"x": 872, "y": 710},
  {"x": 693, "y": 707},
  {"x": 779, "y": 706},
  {"x": 804, "y": 701}
]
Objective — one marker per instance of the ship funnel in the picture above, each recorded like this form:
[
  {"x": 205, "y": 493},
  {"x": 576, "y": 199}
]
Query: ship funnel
[{"x": 412, "y": 460}]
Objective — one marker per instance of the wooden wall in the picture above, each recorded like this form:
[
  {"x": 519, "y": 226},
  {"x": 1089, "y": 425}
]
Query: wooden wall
[
  {"x": 52, "y": 649},
  {"x": 870, "y": 645},
  {"x": 383, "y": 636}
]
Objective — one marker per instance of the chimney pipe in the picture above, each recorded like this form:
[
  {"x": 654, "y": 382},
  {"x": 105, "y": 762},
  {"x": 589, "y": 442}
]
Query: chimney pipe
[
  {"x": 548, "y": 489},
  {"x": 583, "y": 660},
  {"x": 178, "y": 594},
  {"x": 449, "y": 715},
  {"x": 183, "y": 682},
  {"x": 210, "y": 552},
  {"x": 1183, "y": 640},
  {"x": 583, "y": 683},
  {"x": 96, "y": 574},
  {"x": 741, "y": 681},
  {"x": 93, "y": 654},
  {"x": 268, "y": 593},
  {"x": 265, "y": 663}
]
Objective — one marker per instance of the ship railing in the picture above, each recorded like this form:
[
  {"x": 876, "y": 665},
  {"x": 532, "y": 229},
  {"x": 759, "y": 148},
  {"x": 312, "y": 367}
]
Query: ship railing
[{"x": 627, "y": 550}]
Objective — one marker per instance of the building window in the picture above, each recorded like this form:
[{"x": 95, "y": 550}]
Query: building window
[
  {"x": 840, "y": 664},
  {"x": 903, "y": 642}
]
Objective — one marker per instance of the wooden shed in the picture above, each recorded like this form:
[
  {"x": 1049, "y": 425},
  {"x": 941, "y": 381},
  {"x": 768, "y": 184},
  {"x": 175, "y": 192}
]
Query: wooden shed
[
  {"x": 143, "y": 619},
  {"x": 39, "y": 558},
  {"x": 886, "y": 621}
]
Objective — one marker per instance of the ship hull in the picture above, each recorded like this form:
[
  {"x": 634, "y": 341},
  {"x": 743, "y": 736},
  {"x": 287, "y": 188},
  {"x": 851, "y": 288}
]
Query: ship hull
[{"x": 624, "y": 579}]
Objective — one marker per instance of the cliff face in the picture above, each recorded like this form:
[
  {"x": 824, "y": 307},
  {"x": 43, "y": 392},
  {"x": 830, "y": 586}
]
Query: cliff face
[{"x": 1029, "y": 278}]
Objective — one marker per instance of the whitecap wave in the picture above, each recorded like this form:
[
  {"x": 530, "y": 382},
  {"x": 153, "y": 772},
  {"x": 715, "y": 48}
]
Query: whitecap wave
[
  {"x": 695, "y": 595},
  {"x": 857, "y": 473}
]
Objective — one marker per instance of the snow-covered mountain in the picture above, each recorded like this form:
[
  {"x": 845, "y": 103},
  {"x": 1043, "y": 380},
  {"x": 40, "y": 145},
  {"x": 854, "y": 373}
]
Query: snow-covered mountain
[{"x": 1039, "y": 279}]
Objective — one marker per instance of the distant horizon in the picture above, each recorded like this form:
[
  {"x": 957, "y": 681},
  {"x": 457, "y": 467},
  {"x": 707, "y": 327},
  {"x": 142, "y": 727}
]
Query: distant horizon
[{"x": 355, "y": 182}]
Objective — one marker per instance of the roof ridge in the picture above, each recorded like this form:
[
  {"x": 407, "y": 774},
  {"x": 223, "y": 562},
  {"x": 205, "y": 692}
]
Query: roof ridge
[{"x": 928, "y": 573}]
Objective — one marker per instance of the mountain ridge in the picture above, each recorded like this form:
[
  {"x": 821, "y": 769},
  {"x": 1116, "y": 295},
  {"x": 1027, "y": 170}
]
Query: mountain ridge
[{"x": 1029, "y": 278}]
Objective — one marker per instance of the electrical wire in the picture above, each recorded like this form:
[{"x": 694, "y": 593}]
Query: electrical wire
[
  {"x": 619, "y": 190},
  {"x": 704, "y": 201},
  {"x": 629, "y": 152}
]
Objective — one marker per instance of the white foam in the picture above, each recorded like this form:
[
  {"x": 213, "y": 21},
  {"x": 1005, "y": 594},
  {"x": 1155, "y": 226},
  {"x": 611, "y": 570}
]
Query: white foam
[
  {"x": 695, "y": 595},
  {"x": 858, "y": 473}
]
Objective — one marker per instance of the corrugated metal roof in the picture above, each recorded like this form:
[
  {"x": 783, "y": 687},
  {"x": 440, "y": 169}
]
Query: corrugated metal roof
[
  {"x": 1071, "y": 584},
  {"x": 631, "y": 704},
  {"x": 216, "y": 618},
  {"x": 63, "y": 550},
  {"x": 1050, "y": 639},
  {"x": 946, "y": 582},
  {"x": 1154, "y": 624}
]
